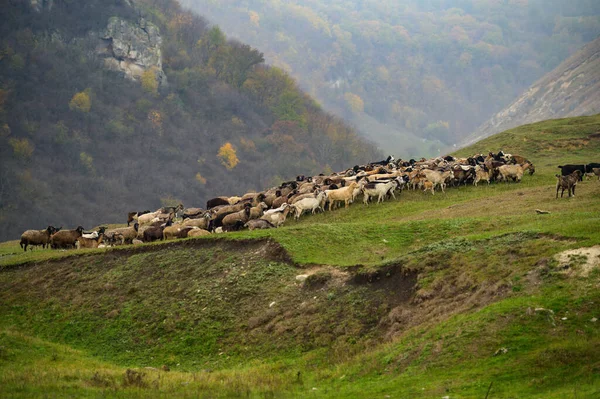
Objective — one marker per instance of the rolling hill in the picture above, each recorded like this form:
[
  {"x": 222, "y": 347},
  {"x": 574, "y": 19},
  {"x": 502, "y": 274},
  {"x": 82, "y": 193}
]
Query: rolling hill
[{"x": 457, "y": 295}]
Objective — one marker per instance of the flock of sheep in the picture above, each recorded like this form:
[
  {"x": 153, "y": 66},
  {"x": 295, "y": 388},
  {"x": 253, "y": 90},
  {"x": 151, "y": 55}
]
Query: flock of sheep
[{"x": 270, "y": 208}]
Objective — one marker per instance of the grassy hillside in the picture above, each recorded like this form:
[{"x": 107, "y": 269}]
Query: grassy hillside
[{"x": 426, "y": 296}]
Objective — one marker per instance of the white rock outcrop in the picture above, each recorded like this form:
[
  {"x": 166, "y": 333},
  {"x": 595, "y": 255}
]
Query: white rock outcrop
[{"x": 132, "y": 48}]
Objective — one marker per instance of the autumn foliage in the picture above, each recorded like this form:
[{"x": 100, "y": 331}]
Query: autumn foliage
[{"x": 228, "y": 156}]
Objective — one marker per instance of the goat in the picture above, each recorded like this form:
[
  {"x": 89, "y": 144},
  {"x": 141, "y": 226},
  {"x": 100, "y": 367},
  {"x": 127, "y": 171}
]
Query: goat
[
  {"x": 341, "y": 194},
  {"x": 94, "y": 234},
  {"x": 378, "y": 189},
  {"x": 176, "y": 231},
  {"x": 155, "y": 232},
  {"x": 84, "y": 242},
  {"x": 277, "y": 216},
  {"x": 36, "y": 237},
  {"x": 148, "y": 217},
  {"x": 566, "y": 170},
  {"x": 428, "y": 186},
  {"x": 567, "y": 183},
  {"x": 308, "y": 204},
  {"x": 515, "y": 172},
  {"x": 481, "y": 173},
  {"x": 437, "y": 178}
]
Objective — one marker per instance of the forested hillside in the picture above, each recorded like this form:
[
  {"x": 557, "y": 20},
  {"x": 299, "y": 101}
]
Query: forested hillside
[
  {"x": 411, "y": 73},
  {"x": 111, "y": 106}
]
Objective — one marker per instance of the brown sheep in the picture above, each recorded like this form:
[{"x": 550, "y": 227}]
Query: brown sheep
[
  {"x": 36, "y": 237},
  {"x": 65, "y": 239},
  {"x": 198, "y": 233}
]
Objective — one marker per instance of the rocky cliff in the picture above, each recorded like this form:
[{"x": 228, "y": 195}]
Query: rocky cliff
[
  {"x": 571, "y": 89},
  {"x": 132, "y": 48}
]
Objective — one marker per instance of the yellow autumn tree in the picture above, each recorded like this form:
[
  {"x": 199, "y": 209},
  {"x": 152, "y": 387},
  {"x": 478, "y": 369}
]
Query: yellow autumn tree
[
  {"x": 228, "y": 156},
  {"x": 22, "y": 148},
  {"x": 149, "y": 81},
  {"x": 81, "y": 102},
  {"x": 355, "y": 102}
]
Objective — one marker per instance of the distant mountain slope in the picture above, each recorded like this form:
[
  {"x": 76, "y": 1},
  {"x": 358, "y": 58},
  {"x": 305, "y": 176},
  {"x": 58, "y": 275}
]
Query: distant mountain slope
[
  {"x": 571, "y": 89},
  {"x": 423, "y": 70},
  {"x": 111, "y": 106}
]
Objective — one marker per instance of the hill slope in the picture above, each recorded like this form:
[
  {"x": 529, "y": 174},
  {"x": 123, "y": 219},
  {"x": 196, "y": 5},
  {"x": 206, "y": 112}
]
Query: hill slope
[
  {"x": 571, "y": 89},
  {"x": 459, "y": 290},
  {"x": 108, "y": 108},
  {"x": 434, "y": 69}
]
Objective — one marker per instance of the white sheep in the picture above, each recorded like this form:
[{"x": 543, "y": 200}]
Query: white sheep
[{"x": 379, "y": 190}]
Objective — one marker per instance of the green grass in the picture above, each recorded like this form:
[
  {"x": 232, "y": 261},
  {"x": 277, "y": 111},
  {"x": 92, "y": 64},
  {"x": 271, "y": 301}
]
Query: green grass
[{"x": 411, "y": 298}]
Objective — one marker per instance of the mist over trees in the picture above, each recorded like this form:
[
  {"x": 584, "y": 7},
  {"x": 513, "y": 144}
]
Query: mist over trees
[
  {"x": 414, "y": 75},
  {"x": 80, "y": 144}
]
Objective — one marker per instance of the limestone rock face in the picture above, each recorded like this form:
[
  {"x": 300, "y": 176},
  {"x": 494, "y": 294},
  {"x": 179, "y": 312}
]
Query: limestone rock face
[{"x": 132, "y": 48}]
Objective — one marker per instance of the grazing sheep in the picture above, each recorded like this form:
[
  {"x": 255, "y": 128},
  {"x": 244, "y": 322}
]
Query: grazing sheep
[
  {"x": 198, "y": 233},
  {"x": 201, "y": 222},
  {"x": 240, "y": 216},
  {"x": 258, "y": 224},
  {"x": 36, "y": 237},
  {"x": 148, "y": 217},
  {"x": 122, "y": 235},
  {"x": 155, "y": 232},
  {"x": 65, "y": 239},
  {"x": 567, "y": 183}
]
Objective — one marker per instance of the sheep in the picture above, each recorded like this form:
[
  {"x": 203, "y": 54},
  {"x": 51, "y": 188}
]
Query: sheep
[
  {"x": 277, "y": 216},
  {"x": 125, "y": 235},
  {"x": 341, "y": 194},
  {"x": 148, "y": 217},
  {"x": 155, "y": 232},
  {"x": 84, "y": 242},
  {"x": 311, "y": 204},
  {"x": 211, "y": 203},
  {"x": 198, "y": 233},
  {"x": 378, "y": 189},
  {"x": 240, "y": 216},
  {"x": 192, "y": 213},
  {"x": 258, "y": 224},
  {"x": 176, "y": 231},
  {"x": 481, "y": 173},
  {"x": 514, "y": 172},
  {"x": 36, "y": 237},
  {"x": 131, "y": 216},
  {"x": 65, "y": 238},
  {"x": 201, "y": 223},
  {"x": 258, "y": 210},
  {"x": 567, "y": 183}
]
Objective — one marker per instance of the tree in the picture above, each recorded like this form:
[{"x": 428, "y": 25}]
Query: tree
[
  {"x": 81, "y": 102},
  {"x": 228, "y": 156},
  {"x": 22, "y": 148},
  {"x": 149, "y": 81}
]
